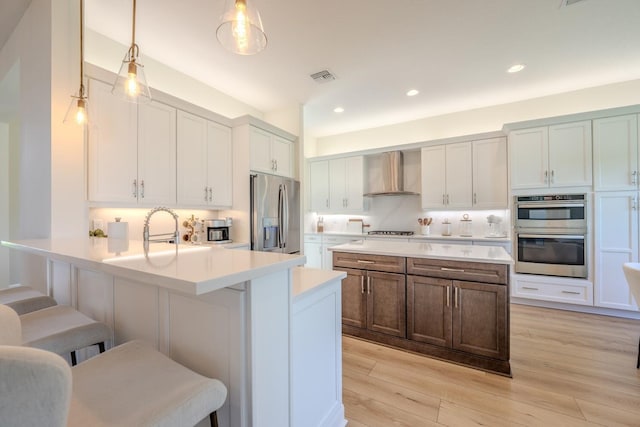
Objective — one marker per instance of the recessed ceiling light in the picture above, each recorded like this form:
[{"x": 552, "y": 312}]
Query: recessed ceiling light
[
  {"x": 338, "y": 110},
  {"x": 515, "y": 68},
  {"x": 413, "y": 92}
]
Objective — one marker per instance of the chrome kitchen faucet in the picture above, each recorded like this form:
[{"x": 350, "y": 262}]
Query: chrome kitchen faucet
[{"x": 162, "y": 237}]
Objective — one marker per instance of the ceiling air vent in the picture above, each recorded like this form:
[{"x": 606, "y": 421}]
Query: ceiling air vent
[{"x": 323, "y": 76}]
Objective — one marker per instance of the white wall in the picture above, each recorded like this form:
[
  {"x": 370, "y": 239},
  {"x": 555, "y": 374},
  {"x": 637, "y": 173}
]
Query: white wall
[
  {"x": 107, "y": 53},
  {"x": 481, "y": 120}
]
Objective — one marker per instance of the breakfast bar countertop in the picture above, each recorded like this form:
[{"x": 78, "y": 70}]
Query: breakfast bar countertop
[
  {"x": 452, "y": 252},
  {"x": 194, "y": 269}
]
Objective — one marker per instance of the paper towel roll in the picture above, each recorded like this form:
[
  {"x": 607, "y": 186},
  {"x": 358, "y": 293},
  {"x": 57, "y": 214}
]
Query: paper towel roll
[{"x": 118, "y": 230}]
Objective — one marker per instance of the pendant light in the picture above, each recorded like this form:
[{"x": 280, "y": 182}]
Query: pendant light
[
  {"x": 241, "y": 29},
  {"x": 131, "y": 83},
  {"x": 77, "y": 110}
]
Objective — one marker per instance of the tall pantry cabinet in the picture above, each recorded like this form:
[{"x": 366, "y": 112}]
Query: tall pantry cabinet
[{"x": 616, "y": 188}]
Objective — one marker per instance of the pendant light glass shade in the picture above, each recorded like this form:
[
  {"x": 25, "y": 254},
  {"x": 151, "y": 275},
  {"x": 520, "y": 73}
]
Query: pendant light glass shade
[
  {"x": 77, "y": 110},
  {"x": 131, "y": 83},
  {"x": 241, "y": 29}
]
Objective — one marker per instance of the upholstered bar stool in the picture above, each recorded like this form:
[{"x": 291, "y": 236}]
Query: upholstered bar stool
[
  {"x": 24, "y": 299},
  {"x": 129, "y": 385},
  {"x": 63, "y": 330}
]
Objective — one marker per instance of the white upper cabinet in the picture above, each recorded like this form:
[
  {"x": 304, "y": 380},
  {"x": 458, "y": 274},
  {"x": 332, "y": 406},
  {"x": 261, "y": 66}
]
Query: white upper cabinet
[
  {"x": 447, "y": 176},
  {"x": 319, "y": 185},
  {"x": 132, "y": 150},
  {"x": 529, "y": 158},
  {"x": 490, "y": 174},
  {"x": 270, "y": 153},
  {"x": 156, "y": 153},
  {"x": 204, "y": 162},
  {"x": 220, "y": 160},
  {"x": 615, "y": 153},
  {"x": 346, "y": 176},
  {"x": 570, "y": 155},
  {"x": 112, "y": 146},
  {"x": 337, "y": 185},
  {"x": 551, "y": 156}
]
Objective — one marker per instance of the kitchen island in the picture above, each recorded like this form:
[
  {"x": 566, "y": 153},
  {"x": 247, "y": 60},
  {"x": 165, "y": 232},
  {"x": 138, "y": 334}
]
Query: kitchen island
[
  {"x": 236, "y": 315},
  {"x": 444, "y": 300}
]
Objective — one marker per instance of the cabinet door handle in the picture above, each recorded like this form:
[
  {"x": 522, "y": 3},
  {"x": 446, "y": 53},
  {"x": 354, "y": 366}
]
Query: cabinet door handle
[
  {"x": 634, "y": 177},
  {"x": 363, "y": 261},
  {"x": 448, "y": 296},
  {"x": 634, "y": 203},
  {"x": 362, "y": 284},
  {"x": 552, "y": 176},
  {"x": 571, "y": 292},
  {"x": 447, "y": 199},
  {"x": 444, "y": 200},
  {"x": 546, "y": 177},
  {"x": 210, "y": 193},
  {"x": 205, "y": 194},
  {"x": 455, "y": 296},
  {"x": 458, "y": 270},
  {"x": 475, "y": 198},
  {"x": 530, "y": 288},
  {"x": 142, "y": 188},
  {"x": 276, "y": 162},
  {"x": 134, "y": 188},
  {"x": 326, "y": 203},
  {"x": 368, "y": 284}
]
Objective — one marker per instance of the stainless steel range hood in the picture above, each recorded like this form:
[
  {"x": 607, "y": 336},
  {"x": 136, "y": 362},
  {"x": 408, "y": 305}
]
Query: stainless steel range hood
[{"x": 389, "y": 179}]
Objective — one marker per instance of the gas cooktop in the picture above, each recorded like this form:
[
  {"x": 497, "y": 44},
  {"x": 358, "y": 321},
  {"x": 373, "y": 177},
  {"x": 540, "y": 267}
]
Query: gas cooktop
[{"x": 391, "y": 233}]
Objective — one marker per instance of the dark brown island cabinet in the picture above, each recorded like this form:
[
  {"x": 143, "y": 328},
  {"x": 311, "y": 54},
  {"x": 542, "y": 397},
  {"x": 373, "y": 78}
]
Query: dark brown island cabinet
[{"x": 452, "y": 310}]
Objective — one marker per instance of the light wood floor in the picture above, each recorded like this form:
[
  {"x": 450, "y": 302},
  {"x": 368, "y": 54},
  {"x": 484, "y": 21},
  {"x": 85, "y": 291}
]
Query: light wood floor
[{"x": 569, "y": 369}]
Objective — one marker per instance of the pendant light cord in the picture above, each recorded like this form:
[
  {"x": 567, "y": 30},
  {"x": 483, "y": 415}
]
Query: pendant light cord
[
  {"x": 82, "y": 95},
  {"x": 134, "y": 47}
]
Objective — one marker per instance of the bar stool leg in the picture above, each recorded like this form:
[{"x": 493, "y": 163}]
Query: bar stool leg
[
  {"x": 213, "y": 418},
  {"x": 74, "y": 362},
  {"x": 638, "y": 364}
]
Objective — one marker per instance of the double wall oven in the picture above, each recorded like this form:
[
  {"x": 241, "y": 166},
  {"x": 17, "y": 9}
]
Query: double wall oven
[{"x": 551, "y": 235}]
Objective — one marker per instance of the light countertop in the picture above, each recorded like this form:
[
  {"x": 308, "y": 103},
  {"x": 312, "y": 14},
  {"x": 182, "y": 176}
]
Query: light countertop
[
  {"x": 186, "y": 268},
  {"x": 432, "y": 236},
  {"x": 307, "y": 279},
  {"x": 453, "y": 252}
]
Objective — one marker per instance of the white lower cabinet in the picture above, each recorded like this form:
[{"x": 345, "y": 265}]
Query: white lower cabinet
[
  {"x": 316, "y": 248},
  {"x": 616, "y": 242},
  {"x": 313, "y": 250},
  {"x": 555, "y": 289}
]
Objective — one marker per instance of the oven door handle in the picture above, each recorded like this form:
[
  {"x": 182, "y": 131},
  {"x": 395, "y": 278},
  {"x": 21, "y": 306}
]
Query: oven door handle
[
  {"x": 550, "y": 205},
  {"x": 552, "y": 236}
]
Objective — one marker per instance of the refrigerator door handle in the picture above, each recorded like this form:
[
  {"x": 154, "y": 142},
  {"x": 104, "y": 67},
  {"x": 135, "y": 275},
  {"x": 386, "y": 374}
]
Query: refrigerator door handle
[
  {"x": 281, "y": 216},
  {"x": 285, "y": 216}
]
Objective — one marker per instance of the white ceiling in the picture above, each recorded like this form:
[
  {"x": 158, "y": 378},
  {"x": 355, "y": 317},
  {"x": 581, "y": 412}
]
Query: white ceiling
[{"x": 454, "y": 51}]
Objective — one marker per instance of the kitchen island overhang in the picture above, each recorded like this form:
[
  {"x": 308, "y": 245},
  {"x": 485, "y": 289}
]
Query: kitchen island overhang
[
  {"x": 225, "y": 313},
  {"x": 446, "y": 301}
]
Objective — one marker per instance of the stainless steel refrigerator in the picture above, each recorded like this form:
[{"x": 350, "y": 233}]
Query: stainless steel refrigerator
[{"x": 275, "y": 214}]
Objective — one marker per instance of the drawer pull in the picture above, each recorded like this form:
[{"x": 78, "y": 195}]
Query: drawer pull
[
  {"x": 368, "y": 284},
  {"x": 530, "y": 288},
  {"x": 448, "y": 296},
  {"x": 571, "y": 292},
  {"x": 362, "y": 261},
  {"x": 455, "y": 296},
  {"x": 459, "y": 270},
  {"x": 362, "y": 284}
]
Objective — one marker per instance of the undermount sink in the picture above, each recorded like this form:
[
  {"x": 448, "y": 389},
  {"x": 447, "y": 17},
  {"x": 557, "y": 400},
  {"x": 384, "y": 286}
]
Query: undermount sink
[{"x": 632, "y": 274}]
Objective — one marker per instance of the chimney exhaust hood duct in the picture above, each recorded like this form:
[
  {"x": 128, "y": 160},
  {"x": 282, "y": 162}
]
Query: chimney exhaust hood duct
[{"x": 389, "y": 181}]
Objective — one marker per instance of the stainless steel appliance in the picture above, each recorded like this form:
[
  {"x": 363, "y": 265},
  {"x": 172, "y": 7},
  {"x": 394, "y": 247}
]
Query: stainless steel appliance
[
  {"x": 275, "y": 214},
  {"x": 551, "y": 235},
  {"x": 218, "y": 230}
]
